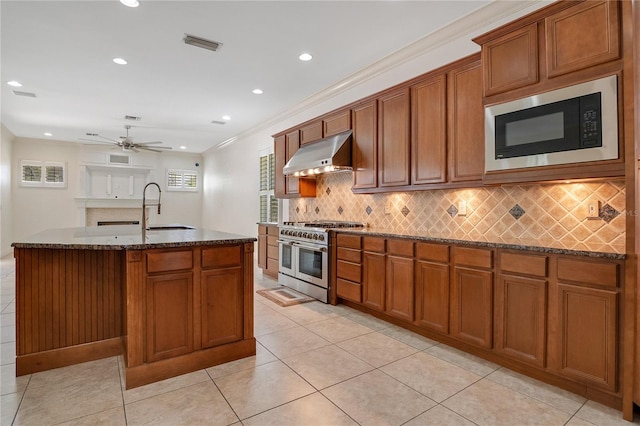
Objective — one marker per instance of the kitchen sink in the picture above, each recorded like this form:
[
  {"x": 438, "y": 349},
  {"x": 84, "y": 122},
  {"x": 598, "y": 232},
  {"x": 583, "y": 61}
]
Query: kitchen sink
[{"x": 169, "y": 227}]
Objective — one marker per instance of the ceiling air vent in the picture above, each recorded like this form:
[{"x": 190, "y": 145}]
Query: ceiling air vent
[
  {"x": 132, "y": 118},
  {"x": 201, "y": 42},
  {"x": 27, "y": 94},
  {"x": 119, "y": 159},
  {"x": 218, "y": 122}
]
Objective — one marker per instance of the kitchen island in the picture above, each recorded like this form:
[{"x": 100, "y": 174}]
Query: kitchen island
[{"x": 179, "y": 300}]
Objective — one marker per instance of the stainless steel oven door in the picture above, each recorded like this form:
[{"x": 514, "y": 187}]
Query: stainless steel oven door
[
  {"x": 312, "y": 264},
  {"x": 287, "y": 258}
]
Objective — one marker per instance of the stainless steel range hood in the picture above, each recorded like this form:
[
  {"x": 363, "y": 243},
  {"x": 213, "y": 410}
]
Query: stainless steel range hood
[{"x": 327, "y": 155}]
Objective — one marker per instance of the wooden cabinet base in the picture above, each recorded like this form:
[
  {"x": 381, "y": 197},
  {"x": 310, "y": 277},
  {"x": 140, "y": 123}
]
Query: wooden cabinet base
[
  {"x": 63, "y": 357},
  {"x": 165, "y": 369}
]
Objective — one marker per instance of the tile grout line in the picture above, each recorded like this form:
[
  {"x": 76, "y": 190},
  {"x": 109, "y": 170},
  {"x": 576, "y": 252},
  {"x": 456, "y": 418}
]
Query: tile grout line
[{"x": 223, "y": 396}]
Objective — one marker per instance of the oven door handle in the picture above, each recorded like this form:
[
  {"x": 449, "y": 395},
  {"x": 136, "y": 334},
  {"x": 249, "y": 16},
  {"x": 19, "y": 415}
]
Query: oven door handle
[{"x": 316, "y": 248}]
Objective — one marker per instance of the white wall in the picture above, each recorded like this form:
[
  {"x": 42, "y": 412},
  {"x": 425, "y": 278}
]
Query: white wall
[
  {"x": 6, "y": 220},
  {"x": 231, "y": 173},
  {"x": 37, "y": 209}
]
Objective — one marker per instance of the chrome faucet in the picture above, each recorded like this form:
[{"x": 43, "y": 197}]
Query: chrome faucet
[{"x": 145, "y": 205}]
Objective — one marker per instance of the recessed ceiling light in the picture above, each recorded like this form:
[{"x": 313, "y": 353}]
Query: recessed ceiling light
[
  {"x": 120, "y": 61},
  {"x": 130, "y": 3},
  {"x": 305, "y": 57},
  {"x": 14, "y": 83},
  {"x": 48, "y": 134},
  {"x": 226, "y": 118},
  {"x": 258, "y": 91},
  {"x": 183, "y": 147}
]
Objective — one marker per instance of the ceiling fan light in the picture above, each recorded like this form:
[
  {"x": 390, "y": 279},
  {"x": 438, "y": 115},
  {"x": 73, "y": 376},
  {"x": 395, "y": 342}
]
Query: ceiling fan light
[
  {"x": 120, "y": 61},
  {"x": 130, "y": 3}
]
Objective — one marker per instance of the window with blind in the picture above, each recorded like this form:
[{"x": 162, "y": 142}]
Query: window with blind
[
  {"x": 182, "y": 180},
  {"x": 269, "y": 205},
  {"x": 43, "y": 174}
]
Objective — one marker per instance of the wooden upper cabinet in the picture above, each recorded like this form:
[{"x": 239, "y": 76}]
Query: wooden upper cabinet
[
  {"x": 582, "y": 36},
  {"x": 364, "y": 150},
  {"x": 511, "y": 61},
  {"x": 429, "y": 131},
  {"x": 337, "y": 123},
  {"x": 393, "y": 139},
  {"x": 311, "y": 132},
  {"x": 280, "y": 154},
  {"x": 466, "y": 123}
]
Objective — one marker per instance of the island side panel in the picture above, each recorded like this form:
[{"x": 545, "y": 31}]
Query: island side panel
[
  {"x": 134, "y": 313},
  {"x": 248, "y": 291},
  {"x": 63, "y": 315}
]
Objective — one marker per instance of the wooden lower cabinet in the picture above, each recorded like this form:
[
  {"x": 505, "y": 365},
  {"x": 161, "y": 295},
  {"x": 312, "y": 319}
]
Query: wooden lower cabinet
[
  {"x": 521, "y": 318},
  {"x": 432, "y": 295},
  {"x": 268, "y": 250},
  {"x": 587, "y": 334},
  {"x": 472, "y": 306},
  {"x": 373, "y": 280},
  {"x": 222, "y": 306},
  {"x": 169, "y": 319},
  {"x": 399, "y": 298}
]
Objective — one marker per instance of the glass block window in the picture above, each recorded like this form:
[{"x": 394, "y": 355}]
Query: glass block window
[
  {"x": 269, "y": 205},
  {"x": 43, "y": 174},
  {"x": 182, "y": 180}
]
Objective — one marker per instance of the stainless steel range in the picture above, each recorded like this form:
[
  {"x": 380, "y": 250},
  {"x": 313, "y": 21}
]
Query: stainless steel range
[{"x": 304, "y": 256}]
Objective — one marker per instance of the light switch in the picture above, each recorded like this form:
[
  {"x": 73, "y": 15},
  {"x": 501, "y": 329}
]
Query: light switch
[
  {"x": 462, "y": 208},
  {"x": 593, "y": 210}
]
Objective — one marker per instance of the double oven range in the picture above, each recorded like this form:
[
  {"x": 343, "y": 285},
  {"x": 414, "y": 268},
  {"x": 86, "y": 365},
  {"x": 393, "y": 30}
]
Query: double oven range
[{"x": 304, "y": 249}]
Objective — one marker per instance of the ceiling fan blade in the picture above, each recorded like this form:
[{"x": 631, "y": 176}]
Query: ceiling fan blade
[
  {"x": 108, "y": 139},
  {"x": 158, "y": 147},
  {"x": 93, "y": 140},
  {"x": 148, "y": 143},
  {"x": 149, "y": 149}
]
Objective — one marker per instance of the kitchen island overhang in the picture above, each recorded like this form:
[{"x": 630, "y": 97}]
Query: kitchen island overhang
[{"x": 178, "y": 301}]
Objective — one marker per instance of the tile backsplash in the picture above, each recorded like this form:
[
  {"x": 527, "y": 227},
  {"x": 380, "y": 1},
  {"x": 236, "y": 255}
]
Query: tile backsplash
[{"x": 550, "y": 215}]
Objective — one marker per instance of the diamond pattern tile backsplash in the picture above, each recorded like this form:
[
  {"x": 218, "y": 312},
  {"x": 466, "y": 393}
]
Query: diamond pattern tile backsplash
[{"x": 553, "y": 215}]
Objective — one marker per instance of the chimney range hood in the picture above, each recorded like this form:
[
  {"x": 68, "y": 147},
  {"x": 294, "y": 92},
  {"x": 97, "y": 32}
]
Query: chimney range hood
[{"x": 327, "y": 155}]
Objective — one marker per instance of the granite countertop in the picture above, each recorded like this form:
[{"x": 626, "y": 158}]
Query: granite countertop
[
  {"x": 540, "y": 246},
  {"x": 127, "y": 237}
]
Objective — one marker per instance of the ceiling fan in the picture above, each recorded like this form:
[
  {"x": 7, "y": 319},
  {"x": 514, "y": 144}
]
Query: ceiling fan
[{"x": 127, "y": 143}]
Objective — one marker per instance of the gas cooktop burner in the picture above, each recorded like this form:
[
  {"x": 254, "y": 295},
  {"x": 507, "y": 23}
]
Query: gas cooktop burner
[{"x": 327, "y": 224}]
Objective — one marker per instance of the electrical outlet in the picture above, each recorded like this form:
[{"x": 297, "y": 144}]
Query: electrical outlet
[
  {"x": 387, "y": 208},
  {"x": 462, "y": 208},
  {"x": 306, "y": 208},
  {"x": 593, "y": 210}
]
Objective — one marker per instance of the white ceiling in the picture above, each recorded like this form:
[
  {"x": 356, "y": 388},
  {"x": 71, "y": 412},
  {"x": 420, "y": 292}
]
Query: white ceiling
[{"x": 62, "y": 51}]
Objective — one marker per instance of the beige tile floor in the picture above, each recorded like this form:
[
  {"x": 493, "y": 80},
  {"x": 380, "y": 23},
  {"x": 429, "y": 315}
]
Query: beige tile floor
[{"x": 316, "y": 364}]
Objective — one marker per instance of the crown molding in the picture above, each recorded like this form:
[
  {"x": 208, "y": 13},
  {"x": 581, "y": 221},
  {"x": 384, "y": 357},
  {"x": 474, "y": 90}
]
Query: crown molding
[{"x": 469, "y": 25}]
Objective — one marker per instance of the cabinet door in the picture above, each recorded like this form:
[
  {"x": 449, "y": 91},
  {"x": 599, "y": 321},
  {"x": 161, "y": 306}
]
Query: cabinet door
[
  {"x": 311, "y": 133},
  {"x": 262, "y": 251},
  {"x": 582, "y": 36},
  {"x": 293, "y": 144},
  {"x": 393, "y": 139},
  {"x": 169, "y": 312},
  {"x": 429, "y": 131},
  {"x": 280, "y": 154},
  {"x": 432, "y": 296},
  {"x": 521, "y": 318},
  {"x": 364, "y": 153},
  {"x": 222, "y": 306},
  {"x": 373, "y": 280},
  {"x": 471, "y": 306},
  {"x": 400, "y": 287},
  {"x": 466, "y": 123},
  {"x": 587, "y": 334},
  {"x": 511, "y": 61},
  {"x": 337, "y": 123}
]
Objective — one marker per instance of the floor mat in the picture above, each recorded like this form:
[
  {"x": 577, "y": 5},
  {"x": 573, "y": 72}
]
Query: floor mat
[{"x": 284, "y": 296}]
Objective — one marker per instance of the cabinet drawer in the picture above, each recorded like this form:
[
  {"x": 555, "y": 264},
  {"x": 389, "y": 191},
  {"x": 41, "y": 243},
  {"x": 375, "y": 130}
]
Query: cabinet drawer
[
  {"x": 527, "y": 264},
  {"x": 400, "y": 248},
  {"x": 169, "y": 261},
  {"x": 272, "y": 252},
  {"x": 480, "y": 258},
  {"x": 350, "y": 255},
  {"x": 349, "y": 241},
  {"x": 373, "y": 244},
  {"x": 349, "y": 290},
  {"x": 432, "y": 252},
  {"x": 589, "y": 272},
  {"x": 273, "y": 265},
  {"x": 262, "y": 229},
  {"x": 272, "y": 230},
  {"x": 272, "y": 240},
  {"x": 349, "y": 271},
  {"x": 221, "y": 257}
]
